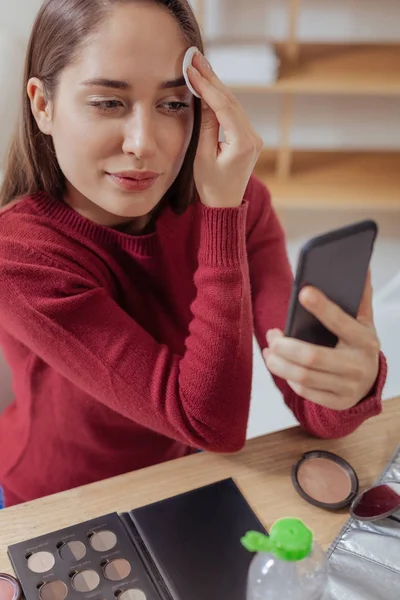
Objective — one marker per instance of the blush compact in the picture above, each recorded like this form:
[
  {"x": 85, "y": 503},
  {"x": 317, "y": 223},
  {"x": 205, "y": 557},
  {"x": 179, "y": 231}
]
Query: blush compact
[
  {"x": 9, "y": 588},
  {"x": 325, "y": 480}
]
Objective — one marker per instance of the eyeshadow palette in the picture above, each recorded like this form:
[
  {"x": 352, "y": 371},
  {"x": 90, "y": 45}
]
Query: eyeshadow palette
[
  {"x": 187, "y": 546},
  {"x": 95, "y": 560}
]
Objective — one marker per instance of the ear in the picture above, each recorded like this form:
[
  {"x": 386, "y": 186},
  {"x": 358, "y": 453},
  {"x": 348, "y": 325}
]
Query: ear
[{"x": 41, "y": 108}]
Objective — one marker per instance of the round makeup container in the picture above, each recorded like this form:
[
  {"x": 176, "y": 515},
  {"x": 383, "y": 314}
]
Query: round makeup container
[
  {"x": 133, "y": 594},
  {"x": 103, "y": 541},
  {"x": 72, "y": 551},
  {"x": 85, "y": 581},
  {"x": 53, "y": 590},
  {"x": 9, "y": 588},
  {"x": 40, "y": 562},
  {"x": 117, "y": 569},
  {"x": 325, "y": 480}
]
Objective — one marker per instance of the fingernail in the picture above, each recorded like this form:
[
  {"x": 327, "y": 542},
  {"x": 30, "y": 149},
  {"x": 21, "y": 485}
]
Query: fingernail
[
  {"x": 203, "y": 61},
  {"x": 273, "y": 334},
  {"x": 308, "y": 297},
  {"x": 193, "y": 69}
]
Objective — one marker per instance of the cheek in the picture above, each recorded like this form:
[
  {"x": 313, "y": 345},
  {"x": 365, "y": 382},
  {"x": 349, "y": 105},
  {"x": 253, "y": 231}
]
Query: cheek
[
  {"x": 175, "y": 138},
  {"x": 75, "y": 138},
  {"x": 78, "y": 137}
]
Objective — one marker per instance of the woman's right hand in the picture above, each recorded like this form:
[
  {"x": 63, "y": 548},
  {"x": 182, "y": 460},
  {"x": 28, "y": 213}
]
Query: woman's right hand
[{"x": 222, "y": 169}]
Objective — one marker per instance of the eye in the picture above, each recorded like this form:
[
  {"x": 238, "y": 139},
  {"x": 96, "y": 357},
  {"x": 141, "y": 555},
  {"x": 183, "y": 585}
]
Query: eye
[
  {"x": 176, "y": 107},
  {"x": 106, "y": 105}
]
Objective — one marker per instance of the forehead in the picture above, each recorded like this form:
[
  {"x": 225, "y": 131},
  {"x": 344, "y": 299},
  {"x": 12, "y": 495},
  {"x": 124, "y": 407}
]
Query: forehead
[{"x": 137, "y": 39}]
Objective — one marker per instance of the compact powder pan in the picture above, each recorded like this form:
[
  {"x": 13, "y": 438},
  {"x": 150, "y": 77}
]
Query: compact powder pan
[
  {"x": 325, "y": 480},
  {"x": 40, "y": 562},
  {"x": 71, "y": 551},
  {"x": 132, "y": 595},
  {"x": 53, "y": 590}
]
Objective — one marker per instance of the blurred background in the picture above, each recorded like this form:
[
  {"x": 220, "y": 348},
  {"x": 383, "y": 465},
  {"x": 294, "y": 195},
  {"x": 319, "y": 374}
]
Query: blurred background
[{"x": 320, "y": 80}]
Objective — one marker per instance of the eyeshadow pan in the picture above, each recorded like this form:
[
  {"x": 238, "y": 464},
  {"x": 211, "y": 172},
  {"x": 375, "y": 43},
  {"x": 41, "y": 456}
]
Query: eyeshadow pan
[
  {"x": 41, "y": 562},
  {"x": 103, "y": 541},
  {"x": 117, "y": 569},
  {"x": 73, "y": 551},
  {"x": 132, "y": 595},
  {"x": 53, "y": 590},
  {"x": 86, "y": 581}
]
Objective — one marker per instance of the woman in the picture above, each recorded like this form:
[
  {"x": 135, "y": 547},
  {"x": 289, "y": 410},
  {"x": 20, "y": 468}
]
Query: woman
[{"x": 136, "y": 256}]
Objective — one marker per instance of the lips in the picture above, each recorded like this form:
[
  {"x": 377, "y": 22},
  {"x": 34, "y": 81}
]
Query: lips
[
  {"x": 133, "y": 181},
  {"x": 136, "y": 175}
]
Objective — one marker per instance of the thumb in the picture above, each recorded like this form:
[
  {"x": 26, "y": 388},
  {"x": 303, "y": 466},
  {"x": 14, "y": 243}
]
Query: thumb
[
  {"x": 272, "y": 335},
  {"x": 365, "y": 312},
  {"x": 209, "y": 132}
]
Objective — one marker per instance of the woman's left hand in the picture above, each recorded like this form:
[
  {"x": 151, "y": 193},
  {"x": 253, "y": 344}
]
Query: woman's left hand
[{"x": 339, "y": 377}]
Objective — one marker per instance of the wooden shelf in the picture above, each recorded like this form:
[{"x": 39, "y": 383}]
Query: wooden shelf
[
  {"x": 337, "y": 69},
  {"x": 326, "y": 180},
  {"x": 228, "y": 38},
  {"x": 355, "y": 180}
]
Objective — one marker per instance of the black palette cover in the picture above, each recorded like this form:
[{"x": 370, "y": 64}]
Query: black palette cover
[{"x": 192, "y": 542}]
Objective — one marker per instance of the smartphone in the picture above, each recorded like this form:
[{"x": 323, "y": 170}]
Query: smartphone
[{"x": 337, "y": 264}]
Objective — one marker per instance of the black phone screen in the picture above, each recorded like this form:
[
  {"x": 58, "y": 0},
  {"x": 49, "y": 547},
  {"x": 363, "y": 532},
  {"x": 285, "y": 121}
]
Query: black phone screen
[{"x": 337, "y": 264}]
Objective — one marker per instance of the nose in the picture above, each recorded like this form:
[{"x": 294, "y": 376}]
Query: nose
[{"x": 139, "y": 135}]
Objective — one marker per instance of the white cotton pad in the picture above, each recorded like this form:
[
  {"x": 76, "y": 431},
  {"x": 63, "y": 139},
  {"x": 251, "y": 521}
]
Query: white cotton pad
[{"x": 187, "y": 60}]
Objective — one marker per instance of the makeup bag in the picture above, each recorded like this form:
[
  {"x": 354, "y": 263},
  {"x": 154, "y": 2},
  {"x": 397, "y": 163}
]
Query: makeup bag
[{"x": 364, "y": 560}]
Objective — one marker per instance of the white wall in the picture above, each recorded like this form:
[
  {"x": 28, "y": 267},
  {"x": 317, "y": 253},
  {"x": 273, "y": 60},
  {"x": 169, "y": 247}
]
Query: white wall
[
  {"x": 17, "y": 15},
  {"x": 16, "y": 18}
]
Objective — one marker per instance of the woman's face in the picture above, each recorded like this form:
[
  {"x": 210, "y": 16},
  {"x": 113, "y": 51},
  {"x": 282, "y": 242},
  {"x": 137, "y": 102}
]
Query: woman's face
[{"x": 123, "y": 107}]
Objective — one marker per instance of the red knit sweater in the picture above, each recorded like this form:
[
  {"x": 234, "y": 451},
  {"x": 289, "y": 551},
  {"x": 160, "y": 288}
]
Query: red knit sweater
[{"x": 128, "y": 351}]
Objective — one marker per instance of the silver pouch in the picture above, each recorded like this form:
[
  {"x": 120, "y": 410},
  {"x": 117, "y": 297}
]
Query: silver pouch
[{"x": 364, "y": 560}]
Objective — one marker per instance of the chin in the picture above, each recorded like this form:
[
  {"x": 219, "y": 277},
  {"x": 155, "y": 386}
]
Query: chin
[{"x": 132, "y": 208}]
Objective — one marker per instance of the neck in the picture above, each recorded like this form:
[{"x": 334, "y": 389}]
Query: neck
[{"x": 96, "y": 214}]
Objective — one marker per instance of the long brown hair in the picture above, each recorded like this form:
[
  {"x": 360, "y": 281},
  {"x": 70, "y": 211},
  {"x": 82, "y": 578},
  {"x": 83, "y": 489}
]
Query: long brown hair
[{"x": 60, "y": 29}]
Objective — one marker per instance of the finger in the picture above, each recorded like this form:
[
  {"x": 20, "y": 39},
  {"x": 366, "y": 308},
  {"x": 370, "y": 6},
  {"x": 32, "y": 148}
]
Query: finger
[
  {"x": 326, "y": 399},
  {"x": 365, "y": 312},
  {"x": 305, "y": 377},
  {"x": 208, "y": 144},
  {"x": 272, "y": 335},
  {"x": 200, "y": 63},
  {"x": 226, "y": 109},
  {"x": 348, "y": 330},
  {"x": 327, "y": 360}
]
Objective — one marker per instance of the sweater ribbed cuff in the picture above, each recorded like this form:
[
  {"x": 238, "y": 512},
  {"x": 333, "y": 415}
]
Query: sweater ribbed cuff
[
  {"x": 372, "y": 404},
  {"x": 223, "y": 236}
]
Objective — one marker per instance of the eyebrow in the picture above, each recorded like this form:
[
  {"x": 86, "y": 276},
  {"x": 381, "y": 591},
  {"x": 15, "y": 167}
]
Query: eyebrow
[{"x": 124, "y": 85}]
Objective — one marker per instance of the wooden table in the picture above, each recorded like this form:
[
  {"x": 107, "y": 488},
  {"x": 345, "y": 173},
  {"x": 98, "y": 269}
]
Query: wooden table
[{"x": 262, "y": 471}]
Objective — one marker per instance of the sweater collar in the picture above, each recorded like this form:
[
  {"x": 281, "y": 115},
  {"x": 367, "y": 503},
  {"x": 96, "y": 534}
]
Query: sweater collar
[{"x": 61, "y": 213}]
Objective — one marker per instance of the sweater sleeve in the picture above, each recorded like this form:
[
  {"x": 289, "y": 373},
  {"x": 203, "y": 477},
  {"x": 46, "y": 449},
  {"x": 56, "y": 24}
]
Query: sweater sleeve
[
  {"x": 271, "y": 282},
  {"x": 201, "y": 398}
]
